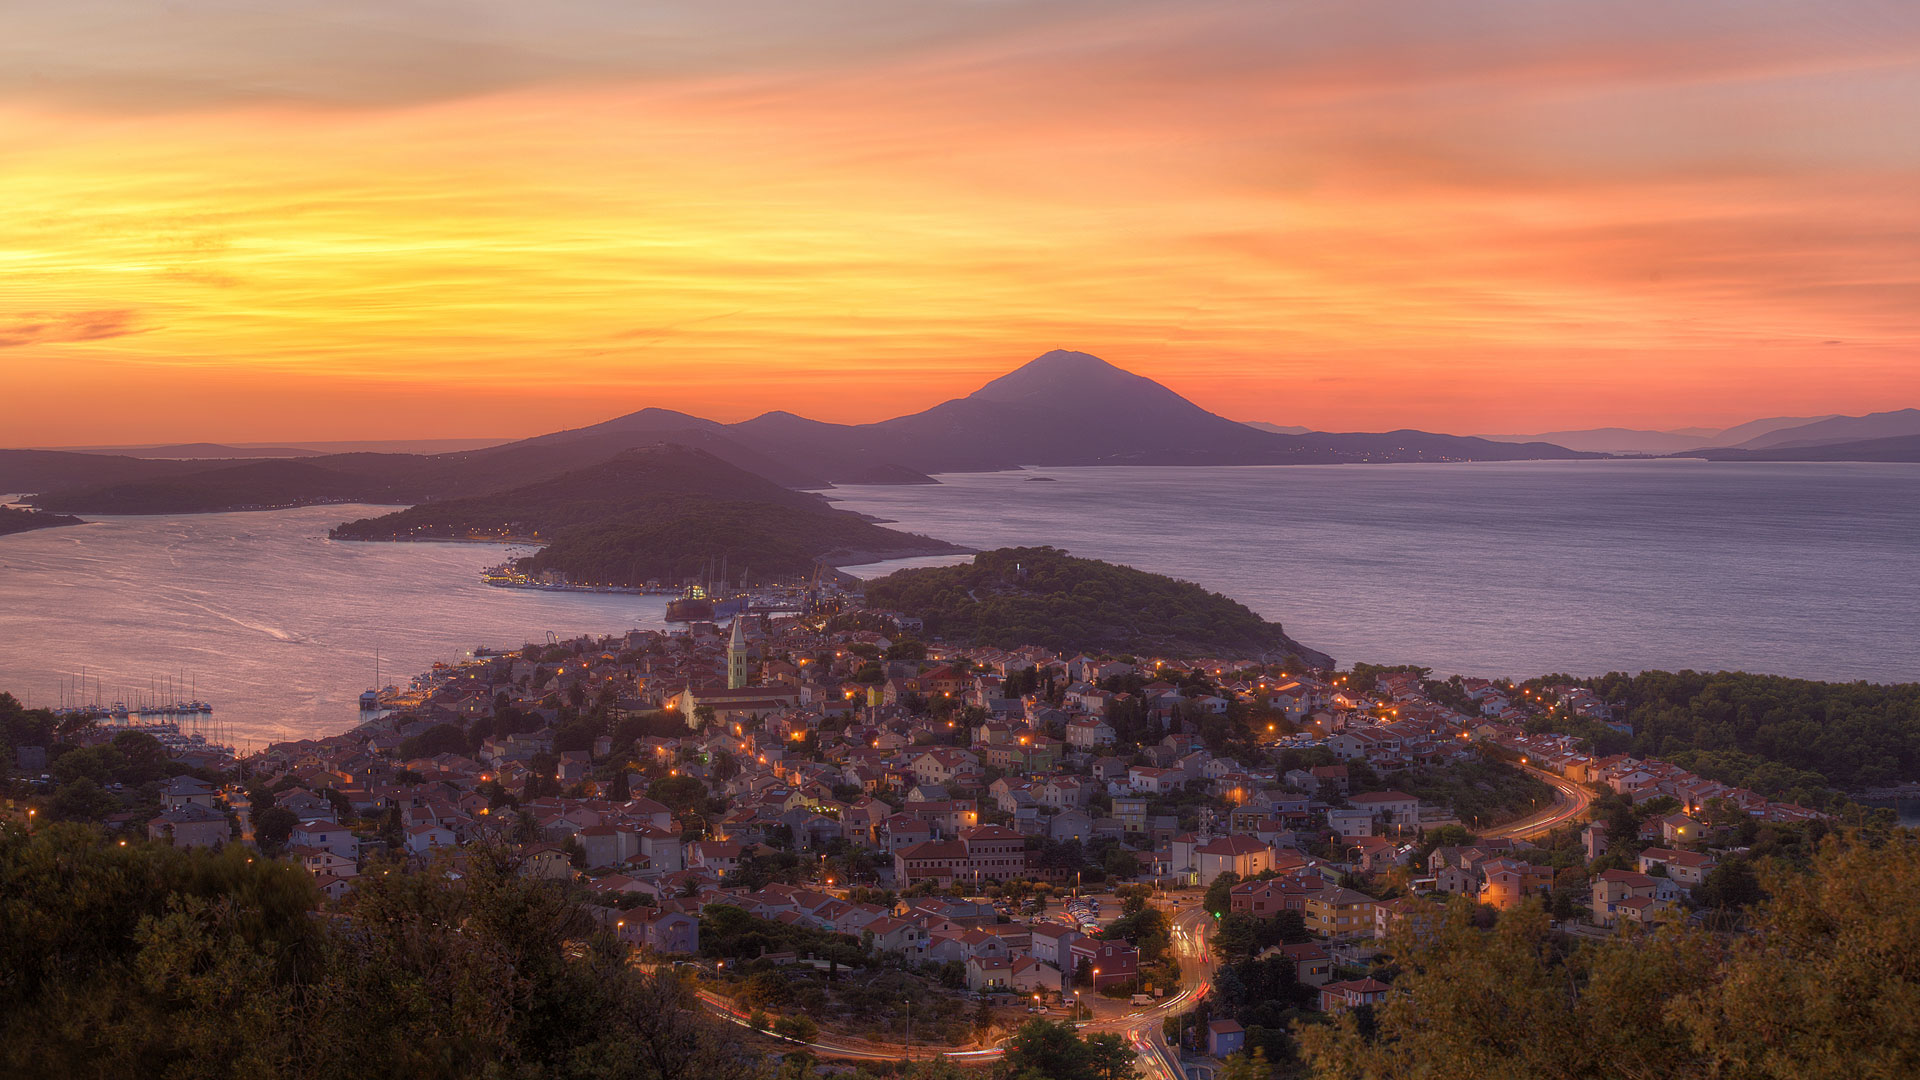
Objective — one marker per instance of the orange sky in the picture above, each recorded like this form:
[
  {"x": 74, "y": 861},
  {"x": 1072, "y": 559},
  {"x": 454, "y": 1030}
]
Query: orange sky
[{"x": 396, "y": 219}]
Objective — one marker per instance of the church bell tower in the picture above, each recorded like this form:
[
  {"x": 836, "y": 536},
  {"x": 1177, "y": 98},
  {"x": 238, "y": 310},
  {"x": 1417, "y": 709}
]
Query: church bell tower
[{"x": 737, "y": 656}]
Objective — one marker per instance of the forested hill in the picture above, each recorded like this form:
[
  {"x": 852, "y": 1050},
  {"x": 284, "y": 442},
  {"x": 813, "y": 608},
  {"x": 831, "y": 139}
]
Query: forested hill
[
  {"x": 13, "y": 520},
  {"x": 659, "y": 513},
  {"x": 1768, "y": 733},
  {"x": 1043, "y": 596},
  {"x": 634, "y": 481}
]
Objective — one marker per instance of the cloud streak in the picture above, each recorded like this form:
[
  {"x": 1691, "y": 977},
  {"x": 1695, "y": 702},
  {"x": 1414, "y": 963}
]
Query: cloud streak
[
  {"x": 44, "y": 328},
  {"x": 1479, "y": 215}
]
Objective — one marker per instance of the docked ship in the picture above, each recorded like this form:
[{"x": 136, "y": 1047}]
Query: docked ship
[{"x": 694, "y": 605}]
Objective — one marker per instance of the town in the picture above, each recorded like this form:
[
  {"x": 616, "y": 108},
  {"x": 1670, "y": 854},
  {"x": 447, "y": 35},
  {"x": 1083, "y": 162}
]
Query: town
[{"x": 883, "y": 848}]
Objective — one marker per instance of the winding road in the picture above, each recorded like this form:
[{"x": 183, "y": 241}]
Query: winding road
[
  {"x": 1141, "y": 1027},
  {"x": 1570, "y": 801}
]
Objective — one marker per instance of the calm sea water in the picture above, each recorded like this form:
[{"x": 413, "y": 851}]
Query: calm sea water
[
  {"x": 273, "y": 623},
  {"x": 1500, "y": 569},
  {"x": 1496, "y": 569}
]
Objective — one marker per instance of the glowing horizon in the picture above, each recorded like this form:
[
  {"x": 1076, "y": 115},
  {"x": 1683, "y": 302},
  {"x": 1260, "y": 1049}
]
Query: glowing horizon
[{"x": 375, "y": 221}]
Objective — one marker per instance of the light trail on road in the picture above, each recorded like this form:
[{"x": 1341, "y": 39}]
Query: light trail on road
[{"x": 1570, "y": 801}]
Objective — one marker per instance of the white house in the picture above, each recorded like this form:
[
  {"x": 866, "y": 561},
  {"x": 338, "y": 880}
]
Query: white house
[{"x": 1243, "y": 855}]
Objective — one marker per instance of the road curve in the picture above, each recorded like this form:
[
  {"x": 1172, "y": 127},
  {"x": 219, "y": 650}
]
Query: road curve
[
  {"x": 1570, "y": 801},
  {"x": 1142, "y": 1027}
]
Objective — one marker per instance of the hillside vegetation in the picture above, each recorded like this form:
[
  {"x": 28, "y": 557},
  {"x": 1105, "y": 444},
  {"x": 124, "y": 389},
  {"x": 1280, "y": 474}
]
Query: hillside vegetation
[
  {"x": 1821, "y": 986},
  {"x": 766, "y": 540},
  {"x": 1769, "y": 733},
  {"x": 144, "y": 960},
  {"x": 634, "y": 482},
  {"x": 1043, "y": 596},
  {"x": 659, "y": 513},
  {"x": 13, "y": 520}
]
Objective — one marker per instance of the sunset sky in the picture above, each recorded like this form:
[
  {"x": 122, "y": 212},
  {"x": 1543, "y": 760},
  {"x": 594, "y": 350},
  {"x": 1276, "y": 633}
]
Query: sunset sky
[{"x": 360, "y": 219}]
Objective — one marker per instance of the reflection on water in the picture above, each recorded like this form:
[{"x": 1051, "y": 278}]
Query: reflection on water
[{"x": 273, "y": 623}]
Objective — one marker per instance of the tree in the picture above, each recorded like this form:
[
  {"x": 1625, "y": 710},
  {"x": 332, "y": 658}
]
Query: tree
[
  {"x": 272, "y": 826},
  {"x": 1049, "y": 1050},
  {"x": 1249, "y": 1065},
  {"x": 143, "y": 759},
  {"x": 1148, "y": 929},
  {"x": 438, "y": 739},
  {"x": 798, "y": 1028},
  {"x": 1218, "y": 898},
  {"x": 95, "y": 763},
  {"x": 1732, "y": 884},
  {"x": 82, "y": 800},
  {"x": 1109, "y": 1056},
  {"x": 1469, "y": 1003},
  {"x": 1823, "y": 986}
]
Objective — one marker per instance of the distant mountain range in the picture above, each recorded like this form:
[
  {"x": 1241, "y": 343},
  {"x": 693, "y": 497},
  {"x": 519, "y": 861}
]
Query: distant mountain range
[
  {"x": 1894, "y": 448},
  {"x": 1837, "y": 429},
  {"x": 273, "y": 450},
  {"x": 1780, "y": 432},
  {"x": 1615, "y": 440},
  {"x": 1061, "y": 409},
  {"x": 1064, "y": 408}
]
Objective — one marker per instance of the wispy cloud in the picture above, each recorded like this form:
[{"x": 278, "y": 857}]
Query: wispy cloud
[
  {"x": 1481, "y": 214},
  {"x": 46, "y": 327}
]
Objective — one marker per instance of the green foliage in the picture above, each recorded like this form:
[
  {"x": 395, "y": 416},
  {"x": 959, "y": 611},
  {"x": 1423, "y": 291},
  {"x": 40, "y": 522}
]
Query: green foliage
[
  {"x": 1481, "y": 793},
  {"x": 1240, "y": 936},
  {"x": 1147, "y": 929},
  {"x": 21, "y": 726},
  {"x": 680, "y": 794},
  {"x": 654, "y": 513},
  {"x": 1028, "y": 596},
  {"x": 1820, "y": 987},
  {"x": 1776, "y": 735},
  {"x": 145, "y": 960},
  {"x": 1218, "y": 898},
  {"x": 82, "y": 799},
  {"x": 438, "y": 739},
  {"x": 726, "y": 932},
  {"x": 1133, "y": 898},
  {"x": 1364, "y": 678},
  {"x": 14, "y": 520},
  {"x": 671, "y": 542},
  {"x": 798, "y": 1028},
  {"x": 907, "y": 649},
  {"x": 273, "y": 825},
  {"x": 1052, "y": 1050}
]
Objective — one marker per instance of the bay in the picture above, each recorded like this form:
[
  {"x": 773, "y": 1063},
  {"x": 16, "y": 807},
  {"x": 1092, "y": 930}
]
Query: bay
[
  {"x": 1806, "y": 569},
  {"x": 1498, "y": 569},
  {"x": 262, "y": 615}
]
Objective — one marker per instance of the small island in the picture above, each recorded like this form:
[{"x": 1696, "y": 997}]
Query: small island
[
  {"x": 1042, "y": 595},
  {"x": 17, "y": 520}
]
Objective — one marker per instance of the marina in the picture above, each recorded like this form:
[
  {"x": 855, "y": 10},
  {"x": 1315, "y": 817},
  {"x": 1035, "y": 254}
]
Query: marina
[{"x": 691, "y": 603}]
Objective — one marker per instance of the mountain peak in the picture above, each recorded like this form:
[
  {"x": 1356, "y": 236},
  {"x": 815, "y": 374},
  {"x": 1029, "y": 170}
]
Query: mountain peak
[
  {"x": 1068, "y": 361},
  {"x": 1064, "y": 372}
]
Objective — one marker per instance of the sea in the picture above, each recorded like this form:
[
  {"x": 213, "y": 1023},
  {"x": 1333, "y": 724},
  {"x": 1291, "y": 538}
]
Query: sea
[
  {"x": 262, "y": 616},
  {"x": 1493, "y": 569}
]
